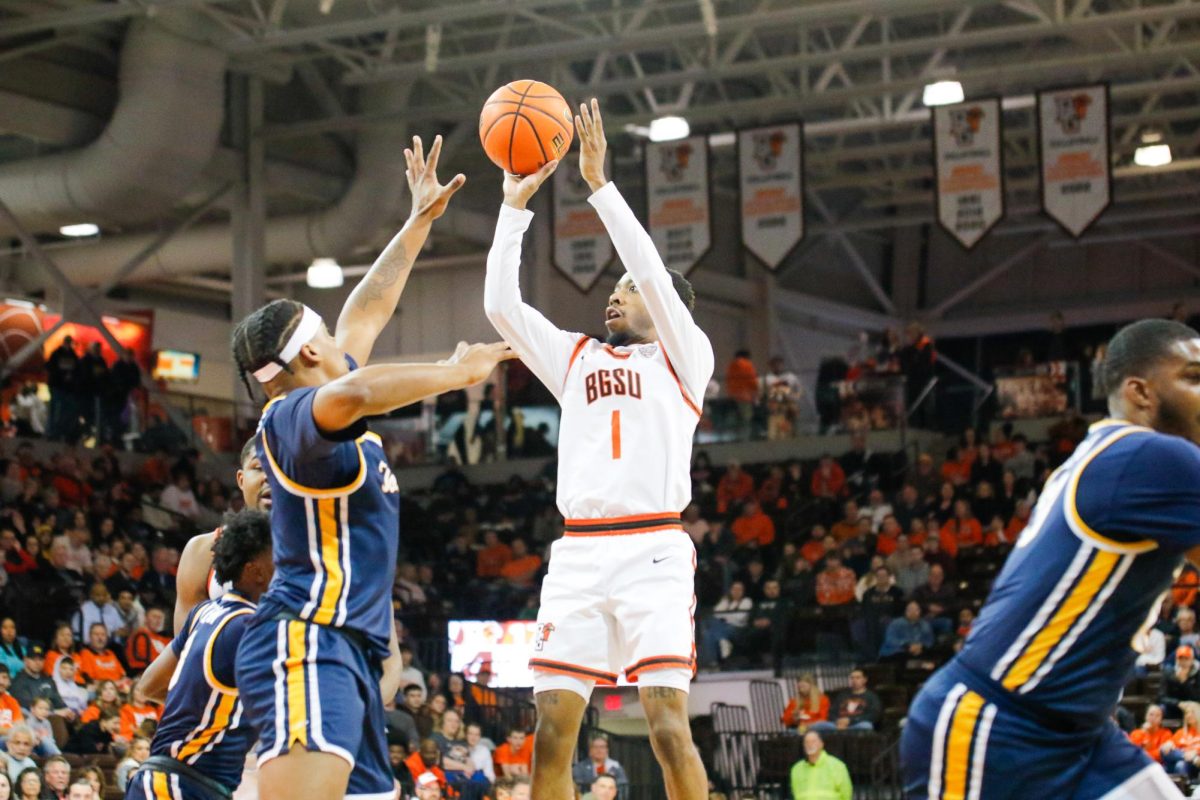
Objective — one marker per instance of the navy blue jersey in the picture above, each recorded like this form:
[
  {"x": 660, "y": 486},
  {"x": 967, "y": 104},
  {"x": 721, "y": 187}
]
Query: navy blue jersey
[
  {"x": 335, "y": 520},
  {"x": 202, "y": 723},
  {"x": 1069, "y": 612}
]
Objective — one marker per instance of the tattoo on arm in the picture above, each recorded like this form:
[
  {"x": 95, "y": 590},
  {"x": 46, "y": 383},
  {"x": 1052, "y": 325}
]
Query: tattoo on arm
[
  {"x": 659, "y": 692},
  {"x": 383, "y": 278}
]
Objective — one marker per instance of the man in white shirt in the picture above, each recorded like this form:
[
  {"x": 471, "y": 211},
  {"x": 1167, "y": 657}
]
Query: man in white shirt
[
  {"x": 178, "y": 497},
  {"x": 619, "y": 594},
  {"x": 780, "y": 390}
]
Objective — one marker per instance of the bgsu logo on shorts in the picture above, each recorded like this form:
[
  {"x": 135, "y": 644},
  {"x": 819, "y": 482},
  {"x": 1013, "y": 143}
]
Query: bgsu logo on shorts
[{"x": 543, "y": 634}]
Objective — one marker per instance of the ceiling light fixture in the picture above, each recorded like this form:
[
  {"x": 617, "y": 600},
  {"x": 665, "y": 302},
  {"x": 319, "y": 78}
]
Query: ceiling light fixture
[
  {"x": 942, "y": 93},
  {"x": 1152, "y": 155},
  {"x": 666, "y": 129},
  {"x": 81, "y": 229}
]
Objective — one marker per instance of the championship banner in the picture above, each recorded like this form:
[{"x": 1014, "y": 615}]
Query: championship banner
[
  {"x": 677, "y": 200},
  {"x": 1075, "y": 159},
  {"x": 771, "y": 175},
  {"x": 970, "y": 171},
  {"x": 582, "y": 248}
]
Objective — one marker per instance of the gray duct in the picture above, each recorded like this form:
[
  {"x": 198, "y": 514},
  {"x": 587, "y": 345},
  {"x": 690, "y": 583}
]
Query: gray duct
[
  {"x": 162, "y": 134},
  {"x": 374, "y": 199}
]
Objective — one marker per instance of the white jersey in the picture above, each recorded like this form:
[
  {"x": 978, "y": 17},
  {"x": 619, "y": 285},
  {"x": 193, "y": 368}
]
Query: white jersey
[
  {"x": 628, "y": 413},
  {"x": 216, "y": 589}
]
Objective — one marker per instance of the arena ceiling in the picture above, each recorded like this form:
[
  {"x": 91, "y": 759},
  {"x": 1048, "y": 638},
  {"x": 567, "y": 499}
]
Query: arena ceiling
[{"x": 853, "y": 70}]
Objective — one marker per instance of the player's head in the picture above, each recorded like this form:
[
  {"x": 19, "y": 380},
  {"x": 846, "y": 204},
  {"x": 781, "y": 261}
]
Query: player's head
[
  {"x": 627, "y": 319},
  {"x": 252, "y": 480},
  {"x": 242, "y": 553},
  {"x": 285, "y": 344},
  {"x": 1152, "y": 375}
]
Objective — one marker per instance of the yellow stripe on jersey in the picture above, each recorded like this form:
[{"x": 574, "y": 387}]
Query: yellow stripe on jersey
[
  {"x": 958, "y": 749},
  {"x": 308, "y": 491},
  {"x": 335, "y": 579},
  {"x": 1081, "y": 527},
  {"x": 1076, "y": 604},
  {"x": 297, "y": 712},
  {"x": 159, "y": 784},
  {"x": 219, "y": 723},
  {"x": 209, "y": 675}
]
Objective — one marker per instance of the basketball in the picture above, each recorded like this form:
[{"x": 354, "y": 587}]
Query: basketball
[{"x": 525, "y": 124}]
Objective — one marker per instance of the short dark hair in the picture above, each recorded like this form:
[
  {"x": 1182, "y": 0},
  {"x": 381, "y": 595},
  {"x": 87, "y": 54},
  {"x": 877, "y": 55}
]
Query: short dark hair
[
  {"x": 258, "y": 338},
  {"x": 244, "y": 537},
  {"x": 413, "y": 687},
  {"x": 1138, "y": 346},
  {"x": 248, "y": 450},
  {"x": 683, "y": 287}
]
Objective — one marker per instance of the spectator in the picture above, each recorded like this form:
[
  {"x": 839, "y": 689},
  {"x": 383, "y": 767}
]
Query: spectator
[
  {"x": 480, "y": 692},
  {"x": 513, "y": 788},
  {"x": 43, "y": 732},
  {"x": 828, "y": 480},
  {"x": 848, "y": 526},
  {"x": 780, "y": 390},
  {"x": 889, "y": 536},
  {"x": 908, "y": 636},
  {"x": 31, "y": 683},
  {"x": 12, "y": 649},
  {"x": 147, "y": 641},
  {"x": 1185, "y": 621},
  {"x": 820, "y": 776},
  {"x": 10, "y": 709},
  {"x": 94, "y": 737},
  {"x": 734, "y": 487},
  {"x": 524, "y": 566},
  {"x": 57, "y": 774},
  {"x": 1152, "y": 735},
  {"x": 139, "y": 751},
  {"x": 1181, "y": 755},
  {"x": 30, "y": 414},
  {"x": 877, "y": 509},
  {"x": 19, "y": 745},
  {"x": 179, "y": 498},
  {"x": 1151, "y": 653},
  {"x": 935, "y": 556},
  {"x": 768, "y": 622},
  {"x": 79, "y": 539},
  {"x": 98, "y": 610},
  {"x": 157, "y": 584},
  {"x": 397, "y": 753},
  {"x": 107, "y": 698},
  {"x": 427, "y": 759},
  {"x": 857, "y": 708},
  {"x": 429, "y": 786},
  {"x": 729, "y": 618},
  {"x": 62, "y": 369},
  {"x": 493, "y": 556},
  {"x": 59, "y": 590},
  {"x": 451, "y": 740},
  {"x": 479, "y": 753},
  {"x": 694, "y": 524},
  {"x": 603, "y": 788},
  {"x": 962, "y": 531},
  {"x": 1022, "y": 462},
  {"x": 73, "y": 694},
  {"x": 753, "y": 526},
  {"x": 87, "y": 786},
  {"x": 1181, "y": 682},
  {"x": 985, "y": 468},
  {"x": 813, "y": 550},
  {"x": 808, "y": 706},
  {"x": 835, "y": 583},
  {"x": 741, "y": 386},
  {"x": 879, "y": 606},
  {"x": 135, "y": 712},
  {"x": 96, "y": 661},
  {"x": 937, "y": 598},
  {"x": 29, "y": 784},
  {"x": 912, "y": 571},
  {"x": 514, "y": 758},
  {"x": 597, "y": 763}
]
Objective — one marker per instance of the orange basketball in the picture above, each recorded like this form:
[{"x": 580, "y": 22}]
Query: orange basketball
[{"x": 525, "y": 124}]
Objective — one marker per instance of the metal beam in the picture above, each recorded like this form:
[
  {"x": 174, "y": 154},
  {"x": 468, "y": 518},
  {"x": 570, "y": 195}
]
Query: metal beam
[
  {"x": 94, "y": 14},
  {"x": 856, "y": 259},
  {"x": 1171, "y": 259},
  {"x": 992, "y": 274}
]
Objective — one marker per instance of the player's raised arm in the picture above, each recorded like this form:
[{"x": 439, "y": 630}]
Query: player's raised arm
[
  {"x": 685, "y": 344},
  {"x": 374, "y": 299},
  {"x": 382, "y": 388},
  {"x": 544, "y": 348}
]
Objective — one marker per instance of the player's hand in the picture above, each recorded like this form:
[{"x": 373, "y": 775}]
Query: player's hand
[
  {"x": 480, "y": 359},
  {"x": 592, "y": 145},
  {"x": 429, "y": 198},
  {"x": 519, "y": 189}
]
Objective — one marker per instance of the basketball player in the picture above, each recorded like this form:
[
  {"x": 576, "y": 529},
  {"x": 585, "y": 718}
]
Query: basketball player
[
  {"x": 1024, "y": 710},
  {"x": 202, "y": 741},
  {"x": 619, "y": 593},
  {"x": 195, "y": 581},
  {"x": 309, "y": 664}
]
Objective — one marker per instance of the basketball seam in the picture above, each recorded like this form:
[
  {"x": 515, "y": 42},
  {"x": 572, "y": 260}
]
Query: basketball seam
[
  {"x": 536, "y": 137},
  {"x": 513, "y": 135},
  {"x": 555, "y": 119},
  {"x": 484, "y": 136}
]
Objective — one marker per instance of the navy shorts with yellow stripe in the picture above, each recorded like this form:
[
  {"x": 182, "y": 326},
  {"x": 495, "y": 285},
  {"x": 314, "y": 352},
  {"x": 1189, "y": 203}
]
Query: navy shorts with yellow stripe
[
  {"x": 315, "y": 687},
  {"x": 962, "y": 741},
  {"x": 152, "y": 784}
]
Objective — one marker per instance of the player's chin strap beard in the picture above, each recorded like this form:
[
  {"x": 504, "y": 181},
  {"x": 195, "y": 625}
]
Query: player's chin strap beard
[{"x": 624, "y": 339}]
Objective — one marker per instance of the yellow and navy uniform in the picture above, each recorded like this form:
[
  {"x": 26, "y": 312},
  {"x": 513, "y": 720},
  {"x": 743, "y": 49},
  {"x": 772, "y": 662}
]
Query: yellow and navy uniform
[
  {"x": 311, "y": 658},
  {"x": 203, "y": 736},
  {"x": 1024, "y": 709}
]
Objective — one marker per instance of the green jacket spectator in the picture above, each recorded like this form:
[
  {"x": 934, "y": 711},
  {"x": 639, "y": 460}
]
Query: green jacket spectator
[{"x": 820, "y": 776}]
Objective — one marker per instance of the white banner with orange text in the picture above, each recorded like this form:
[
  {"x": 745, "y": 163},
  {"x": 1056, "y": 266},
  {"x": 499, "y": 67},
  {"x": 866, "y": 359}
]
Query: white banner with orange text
[
  {"x": 677, "y": 200},
  {"x": 771, "y": 175},
  {"x": 1073, "y": 133},
  {"x": 970, "y": 168}
]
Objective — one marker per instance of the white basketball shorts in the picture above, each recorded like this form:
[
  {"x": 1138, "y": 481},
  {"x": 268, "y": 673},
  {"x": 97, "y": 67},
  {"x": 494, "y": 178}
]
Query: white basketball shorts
[{"x": 619, "y": 597}]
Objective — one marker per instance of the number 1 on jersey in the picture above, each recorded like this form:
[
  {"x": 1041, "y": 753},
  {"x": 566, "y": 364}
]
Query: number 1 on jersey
[{"x": 616, "y": 434}]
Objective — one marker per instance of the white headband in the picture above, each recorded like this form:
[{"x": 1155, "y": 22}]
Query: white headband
[{"x": 310, "y": 323}]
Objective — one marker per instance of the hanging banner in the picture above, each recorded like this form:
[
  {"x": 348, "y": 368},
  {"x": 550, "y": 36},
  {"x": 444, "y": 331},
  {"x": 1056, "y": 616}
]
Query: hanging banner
[
  {"x": 582, "y": 248},
  {"x": 677, "y": 200},
  {"x": 1076, "y": 168},
  {"x": 970, "y": 169},
  {"x": 771, "y": 175}
]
